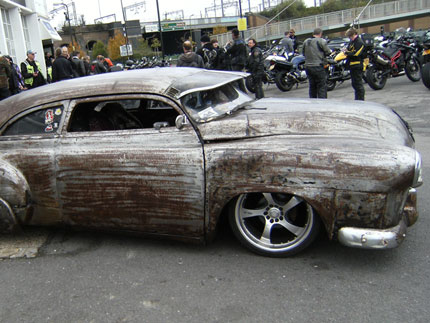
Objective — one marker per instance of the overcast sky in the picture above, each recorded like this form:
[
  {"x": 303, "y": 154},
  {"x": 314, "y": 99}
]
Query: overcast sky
[{"x": 92, "y": 9}]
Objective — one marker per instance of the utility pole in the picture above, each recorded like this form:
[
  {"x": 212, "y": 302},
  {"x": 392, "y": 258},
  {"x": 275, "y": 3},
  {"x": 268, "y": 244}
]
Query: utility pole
[
  {"x": 159, "y": 27},
  {"x": 125, "y": 28}
]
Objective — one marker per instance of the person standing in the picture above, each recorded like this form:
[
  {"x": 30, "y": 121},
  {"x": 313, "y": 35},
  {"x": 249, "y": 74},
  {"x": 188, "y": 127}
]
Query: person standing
[
  {"x": 237, "y": 52},
  {"x": 62, "y": 68},
  {"x": 287, "y": 43},
  {"x": 256, "y": 68},
  {"x": 78, "y": 65},
  {"x": 31, "y": 71},
  {"x": 48, "y": 63},
  {"x": 208, "y": 53},
  {"x": 355, "y": 51},
  {"x": 293, "y": 38},
  {"x": 86, "y": 60},
  {"x": 5, "y": 74},
  {"x": 16, "y": 82},
  {"x": 315, "y": 50},
  {"x": 220, "y": 55},
  {"x": 189, "y": 58}
]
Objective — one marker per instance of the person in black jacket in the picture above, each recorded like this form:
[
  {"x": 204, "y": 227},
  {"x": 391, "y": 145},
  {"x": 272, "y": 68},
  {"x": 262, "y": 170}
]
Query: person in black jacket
[
  {"x": 208, "y": 53},
  {"x": 189, "y": 58},
  {"x": 62, "y": 68},
  {"x": 78, "y": 65},
  {"x": 355, "y": 51},
  {"x": 256, "y": 68},
  {"x": 237, "y": 52}
]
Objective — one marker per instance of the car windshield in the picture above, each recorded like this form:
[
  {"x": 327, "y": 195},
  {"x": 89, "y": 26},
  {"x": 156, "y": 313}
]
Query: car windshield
[{"x": 207, "y": 105}]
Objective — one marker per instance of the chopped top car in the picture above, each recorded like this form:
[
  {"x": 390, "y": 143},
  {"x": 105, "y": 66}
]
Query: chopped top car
[{"x": 165, "y": 152}]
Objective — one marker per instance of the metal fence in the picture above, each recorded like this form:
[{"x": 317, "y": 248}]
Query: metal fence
[{"x": 330, "y": 20}]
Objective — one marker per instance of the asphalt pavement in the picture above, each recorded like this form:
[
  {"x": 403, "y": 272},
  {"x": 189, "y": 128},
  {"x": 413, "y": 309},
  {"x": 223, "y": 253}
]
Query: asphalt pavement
[{"x": 67, "y": 276}]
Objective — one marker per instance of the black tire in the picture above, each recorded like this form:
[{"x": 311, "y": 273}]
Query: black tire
[
  {"x": 413, "y": 70},
  {"x": 273, "y": 224},
  {"x": 425, "y": 72},
  {"x": 249, "y": 83},
  {"x": 282, "y": 81},
  {"x": 374, "y": 78},
  {"x": 330, "y": 85}
]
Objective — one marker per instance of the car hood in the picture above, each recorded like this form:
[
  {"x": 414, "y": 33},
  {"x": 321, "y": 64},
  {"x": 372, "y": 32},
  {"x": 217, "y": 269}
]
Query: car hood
[{"x": 311, "y": 117}]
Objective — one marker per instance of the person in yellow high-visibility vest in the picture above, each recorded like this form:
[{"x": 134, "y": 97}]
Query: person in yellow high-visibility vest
[{"x": 31, "y": 71}]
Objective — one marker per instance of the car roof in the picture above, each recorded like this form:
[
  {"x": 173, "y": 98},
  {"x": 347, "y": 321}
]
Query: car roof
[{"x": 173, "y": 82}]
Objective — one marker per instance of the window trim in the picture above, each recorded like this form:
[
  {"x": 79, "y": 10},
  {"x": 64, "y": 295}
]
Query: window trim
[
  {"x": 74, "y": 102},
  {"x": 22, "y": 114}
]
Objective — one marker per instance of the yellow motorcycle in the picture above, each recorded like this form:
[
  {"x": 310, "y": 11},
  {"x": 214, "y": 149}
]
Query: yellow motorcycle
[{"x": 337, "y": 69}]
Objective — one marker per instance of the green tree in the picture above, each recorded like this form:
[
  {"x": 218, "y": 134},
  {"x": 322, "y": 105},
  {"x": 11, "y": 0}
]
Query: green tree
[
  {"x": 143, "y": 49},
  {"x": 99, "y": 49},
  {"x": 155, "y": 45}
]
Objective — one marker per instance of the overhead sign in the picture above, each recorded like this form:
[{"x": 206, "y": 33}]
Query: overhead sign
[
  {"x": 124, "y": 51},
  {"x": 173, "y": 26},
  {"x": 241, "y": 24}
]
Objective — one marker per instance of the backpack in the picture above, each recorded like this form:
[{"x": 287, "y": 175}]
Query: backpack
[{"x": 209, "y": 57}]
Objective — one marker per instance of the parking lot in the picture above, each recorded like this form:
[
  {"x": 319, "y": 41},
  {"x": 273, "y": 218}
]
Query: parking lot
[{"x": 100, "y": 277}]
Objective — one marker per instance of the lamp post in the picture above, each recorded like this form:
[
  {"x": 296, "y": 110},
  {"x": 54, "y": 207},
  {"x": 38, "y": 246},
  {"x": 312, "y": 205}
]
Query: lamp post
[
  {"x": 190, "y": 27},
  {"x": 125, "y": 28},
  {"x": 159, "y": 27},
  {"x": 66, "y": 14}
]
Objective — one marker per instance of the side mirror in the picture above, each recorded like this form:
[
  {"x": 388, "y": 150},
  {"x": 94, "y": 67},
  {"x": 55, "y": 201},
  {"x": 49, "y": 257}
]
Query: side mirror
[{"x": 181, "y": 121}]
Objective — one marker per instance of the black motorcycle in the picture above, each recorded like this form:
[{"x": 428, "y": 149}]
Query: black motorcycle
[
  {"x": 290, "y": 72},
  {"x": 425, "y": 71},
  {"x": 399, "y": 57}
]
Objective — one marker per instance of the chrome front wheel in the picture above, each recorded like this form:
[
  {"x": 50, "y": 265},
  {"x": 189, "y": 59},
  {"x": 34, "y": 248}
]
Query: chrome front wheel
[{"x": 274, "y": 224}]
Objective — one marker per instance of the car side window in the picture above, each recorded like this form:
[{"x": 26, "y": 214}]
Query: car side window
[
  {"x": 37, "y": 122},
  {"x": 121, "y": 115}
]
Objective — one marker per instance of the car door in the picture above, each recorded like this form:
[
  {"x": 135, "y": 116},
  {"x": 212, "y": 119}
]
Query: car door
[
  {"x": 28, "y": 143},
  {"x": 130, "y": 175}
]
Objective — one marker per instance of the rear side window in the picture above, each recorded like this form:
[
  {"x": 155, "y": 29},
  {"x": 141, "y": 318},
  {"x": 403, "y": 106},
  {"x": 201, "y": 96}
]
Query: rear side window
[{"x": 36, "y": 123}]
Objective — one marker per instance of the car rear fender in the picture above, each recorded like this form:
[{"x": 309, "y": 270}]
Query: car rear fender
[{"x": 14, "y": 195}]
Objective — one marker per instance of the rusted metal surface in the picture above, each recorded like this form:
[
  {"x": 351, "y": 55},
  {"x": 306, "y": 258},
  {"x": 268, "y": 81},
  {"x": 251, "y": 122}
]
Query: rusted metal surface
[
  {"x": 137, "y": 81},
  {"x": 354, "y": 165}
]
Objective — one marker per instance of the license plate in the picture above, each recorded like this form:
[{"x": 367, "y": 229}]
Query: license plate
[{"x": 426, "y": 52}]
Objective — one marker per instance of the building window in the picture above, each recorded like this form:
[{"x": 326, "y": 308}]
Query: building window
[
  {"x": 26, "y": 33},
  {"x": 8, "y": 33}
]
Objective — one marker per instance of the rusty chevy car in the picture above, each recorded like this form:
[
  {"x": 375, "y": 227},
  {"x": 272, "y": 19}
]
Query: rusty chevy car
[{"x": 169, "y": 152}]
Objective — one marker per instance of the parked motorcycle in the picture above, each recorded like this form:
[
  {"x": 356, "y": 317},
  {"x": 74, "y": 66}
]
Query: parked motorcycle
[
  {"x": 425, "y": 71},
  {"x": 397, "y": 58},
  {"x": 271, "y": 56},
  {"x": 290, "y": 72},
  {"x": 338, "y": 70}
]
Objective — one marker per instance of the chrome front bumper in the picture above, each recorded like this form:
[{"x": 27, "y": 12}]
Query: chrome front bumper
[
  {"x": 382, "y": 238},
  {"x": 373, "y": 238}
]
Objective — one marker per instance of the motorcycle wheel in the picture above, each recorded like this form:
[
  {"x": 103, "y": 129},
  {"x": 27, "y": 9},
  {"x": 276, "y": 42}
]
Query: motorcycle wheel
[
  {"x": 425, "y": 71},
  {"x": 330, "y": 85},
  {"x": 375, "y": 79},
  {"x": 412, "y": 70},
  {"x": 250, "y": 84},
  {"x": 282, "y": 82}
]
